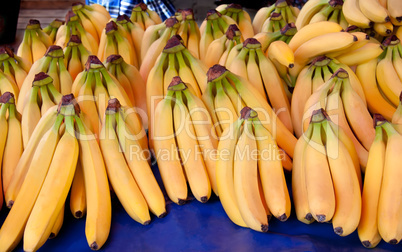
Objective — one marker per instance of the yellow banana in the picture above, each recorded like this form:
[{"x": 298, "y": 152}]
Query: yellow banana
[
  {"x": 78, "y": 203},
  {"x": 373, "y": 10}
]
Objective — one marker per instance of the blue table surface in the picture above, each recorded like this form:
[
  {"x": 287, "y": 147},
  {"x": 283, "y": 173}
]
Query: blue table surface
[{"x": 202, "y": 227}]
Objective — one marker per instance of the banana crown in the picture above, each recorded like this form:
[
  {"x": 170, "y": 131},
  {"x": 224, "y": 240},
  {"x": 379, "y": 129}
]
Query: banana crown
[{"x": 7, "y": 102}]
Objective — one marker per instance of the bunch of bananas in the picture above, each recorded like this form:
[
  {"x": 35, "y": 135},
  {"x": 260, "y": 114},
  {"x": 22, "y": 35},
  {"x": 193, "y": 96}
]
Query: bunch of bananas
[
  {"x": 52, "y": 63},
  {"x": 154, "y": 40},
  {"x": 213, "y": 27},
  {"x": 250, "y": 63},
  {"x": 40, "y": 98},
  {"x": 75, "y": 56},
  {"x": 144, "y": 17},
  {"x": 189, "y": 31},
  {"x": 52, "y": 28},
  {"x": 13, "y": 66},
  {"x": 249, "y": 174},
  {"x": 240, "y": 16},
  {"x": 130, "y": 79},
  {"x": 382, "y": 15},
  {"x": 381, "y": 208},
  {"x": 34, "y": 43},
  {"x": 275, "y": 16},
  {"x": 310, "y": 79},
  {"x": 219, "y": 49},
  {"x": 114, "y": 41},
  {"x": 44, "y": 190},
  {"x": 227, "y": 93},
  {"x": 326, "y": 179},
  {"x": 346, "y": 109},
  {"x": 322, "y": 10},
  {"x": 11, "y": 146},
  {"x": 93, "y": 88},
  {"x": 175, "y": 60},
  {"x": 134, "y": 35},
  {"x": 125, "y": 161},
  {"x": 184, "y": 142}
]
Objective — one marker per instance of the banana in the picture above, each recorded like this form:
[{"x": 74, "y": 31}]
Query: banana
[
  {"x": 311, "y": 31},
  {"x": 320, "y": 190},
  {"x": 187, "y": 75},
  {"x": 368, "y": 226},
  {"x": 3, "y": 137},
  {"x": 97, "y": 193},
  {"x": 346, "y": 184},
  {"x": 374, "y": 11},
  {"x": 394, "y": 9},
  {"x": 354, "y": 15},
  {"x": 397, "y": 59},
  {"x": 24, "y": 49},
  {"x": 128, "y": 192},
  {"x": 299, "y": 187},
  {"x": 95, "y": 13},
  {"x": 165, "y": 146},
  {"x": 57, "y": 225},
  {"x": 365, "y": 53},
  {"x": 310, "y": 8},
  {"x": 260, "y": 17},
  {"x": 281, "y": 52},
  {"x": 271, "y": 172},
  {"x": 189, "y": 151},
  {"x": 78, "y": 202},
  {"x": 245, "y": 176},
  {"x": 136, "y": 33},
  {"x": 375, "y": 101},
  {"x": 55, "y": 188},
  {"x": 13, "y": 145},
  {"x": 12, "y": 228},
  {"x": 10, "y": 66},
  {"x": 75, "y": 56},
  {"x": 22, "y": 166},
  {"x": 224, "y": 109},
  {"x": 224, "y": 172},
  {"x": 389, "y": 217}
]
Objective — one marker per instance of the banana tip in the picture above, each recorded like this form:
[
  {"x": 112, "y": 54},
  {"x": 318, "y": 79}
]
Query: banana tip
[
  {"x": 366, "y": 244},
  {"x": 10, "y": 204},
  {"x": 309, "y": 217},
  {"x": 163, "y": 215},
  {"x": 181, "y": 202},
  {"x": 204, "y": 199},
  {"x": 94, "y": 246},
  {"x": 393, "y": 242},
  {"x": 264, "y": 228},
  {"x": 283, "y": 217},
  {"x": 52, "y": 235},
  {"x": 78, "y": 214},
  {"x": 146, "y": 222},
  {"x": 320, "y": 217},
  {"x": 338, "y": 230}
]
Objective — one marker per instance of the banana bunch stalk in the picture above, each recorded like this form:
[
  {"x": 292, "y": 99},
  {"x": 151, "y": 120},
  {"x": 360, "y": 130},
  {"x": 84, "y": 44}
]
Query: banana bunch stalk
[
  {"x": 134, "y": 34},
  {"x": 242, "y": 18},
  {"x": 381, "y": 16},
  {"x": 153, "y": 42},
  {"x": 251, "y": 64},
  {"x": 46, "y": 185},
  {"x": 189, "y": 31},
  {"x": 130, "y": 78},
  {"x": 220, "y": 48},
  {"x": 114, "y": 41},
  {"x": 325, "y": 178},
  {"x": 52, "y": 63},
  {"x": 183, "y": 148},
  {"x": 250, "y": 178},
  {"x": 274, "y": 23},
  {"x": 311, "y": 78},
  {"x": 125, "y": 161},
  {"x": 175, "y": 60},
  {"x": 52, "y": 28},
  {"x": 73, "y": 26},
  {"x": 34, "y": 43},
  {"x": 213, "y": 27},
  {"x": 346, "y": 109},
  {"x": 41, "y": 97},
  {"x": 92, "y": 17},
  {"x": 322, "y": 10},
  {"x": 285, "y": 34},
  {"x": 144, "y": 17},
  {"x": 227, "y": 93},
  {"x": 310, "y": 44},
  {"x": 75, "y": 56},
  {"x": 93, "y": 88},
  {"x": 11, "y": 146},
  {"x": 381, "y": 208},
  {"x": 287, "y": 12}
]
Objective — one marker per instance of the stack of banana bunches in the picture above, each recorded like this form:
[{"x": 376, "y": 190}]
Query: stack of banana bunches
[{"x": 307, "y": 99}]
